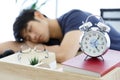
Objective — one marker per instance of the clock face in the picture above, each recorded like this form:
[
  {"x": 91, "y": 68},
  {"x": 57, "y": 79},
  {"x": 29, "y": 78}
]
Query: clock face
[{"x": 94, "y": 43}]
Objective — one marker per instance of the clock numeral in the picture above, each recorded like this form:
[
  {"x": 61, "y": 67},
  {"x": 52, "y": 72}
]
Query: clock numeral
[
  {"x": 86, "y": 38},
  {"x": 89, "y": 35},
  {"x": 101, "y": 47},
  {"x": 86, "y": 46}
]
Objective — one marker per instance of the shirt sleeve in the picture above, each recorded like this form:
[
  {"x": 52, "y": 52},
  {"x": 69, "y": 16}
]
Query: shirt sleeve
[{"x": 73, "y": 19}]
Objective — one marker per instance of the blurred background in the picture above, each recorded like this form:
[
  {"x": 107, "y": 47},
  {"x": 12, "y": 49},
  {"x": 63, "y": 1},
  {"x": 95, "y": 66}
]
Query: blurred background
[{"x": 52, "y": 8}]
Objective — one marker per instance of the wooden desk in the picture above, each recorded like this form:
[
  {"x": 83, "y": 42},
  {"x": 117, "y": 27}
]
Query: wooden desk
[{"x": 11, "y": 70}]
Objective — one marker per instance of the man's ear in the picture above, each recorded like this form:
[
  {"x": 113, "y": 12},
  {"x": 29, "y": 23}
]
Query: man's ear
[{"x": 38, "y": 14}]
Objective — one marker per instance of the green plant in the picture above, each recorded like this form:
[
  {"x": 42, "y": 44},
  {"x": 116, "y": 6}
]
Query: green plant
[
  {"x": 34, "y": 61},
  {"x": 34, "y": 4}
]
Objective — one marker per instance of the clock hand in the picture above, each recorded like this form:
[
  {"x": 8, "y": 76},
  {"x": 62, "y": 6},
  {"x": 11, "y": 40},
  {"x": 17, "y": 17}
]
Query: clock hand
[
  {"x": 97, "y": 48},
  {"x": 95, "y": 43},
  {"x": 97, "y": 39}
]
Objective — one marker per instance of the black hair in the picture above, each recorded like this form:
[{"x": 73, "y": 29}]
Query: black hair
[{"x": 21, "y": 22}]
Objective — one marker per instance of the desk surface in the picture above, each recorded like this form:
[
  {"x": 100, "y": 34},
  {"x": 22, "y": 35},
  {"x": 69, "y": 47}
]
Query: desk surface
[{"x": 10, "y": 70}]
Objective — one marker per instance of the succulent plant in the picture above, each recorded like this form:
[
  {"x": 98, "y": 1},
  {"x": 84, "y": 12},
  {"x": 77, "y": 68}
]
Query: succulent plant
[{"x": 34, "y": 61}]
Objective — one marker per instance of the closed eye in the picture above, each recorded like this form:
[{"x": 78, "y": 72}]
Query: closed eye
[{"x": 27, "y": 38}]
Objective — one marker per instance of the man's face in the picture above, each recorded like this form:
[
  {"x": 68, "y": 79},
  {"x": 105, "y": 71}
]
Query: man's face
[{"x": 36, "y": 31}]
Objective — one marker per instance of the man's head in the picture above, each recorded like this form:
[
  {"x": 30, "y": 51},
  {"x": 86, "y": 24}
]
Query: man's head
[
  {"x": 32, "y": 26},
  {"x": 21, "y": 22}
]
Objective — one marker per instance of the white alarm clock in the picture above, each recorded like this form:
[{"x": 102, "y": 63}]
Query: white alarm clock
[{"x": 95, "y": 40}]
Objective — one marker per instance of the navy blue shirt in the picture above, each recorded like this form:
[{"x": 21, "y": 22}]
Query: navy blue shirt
[{"x": 74, "y": 18}]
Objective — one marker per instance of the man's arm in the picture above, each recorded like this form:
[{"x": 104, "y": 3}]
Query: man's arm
[
  {"x": 68, "y": 47},
  {"x": 13, "y": 45}
]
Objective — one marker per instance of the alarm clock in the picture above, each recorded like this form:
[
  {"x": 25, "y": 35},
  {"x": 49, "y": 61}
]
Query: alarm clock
[{"x": 95, "y": 40}]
